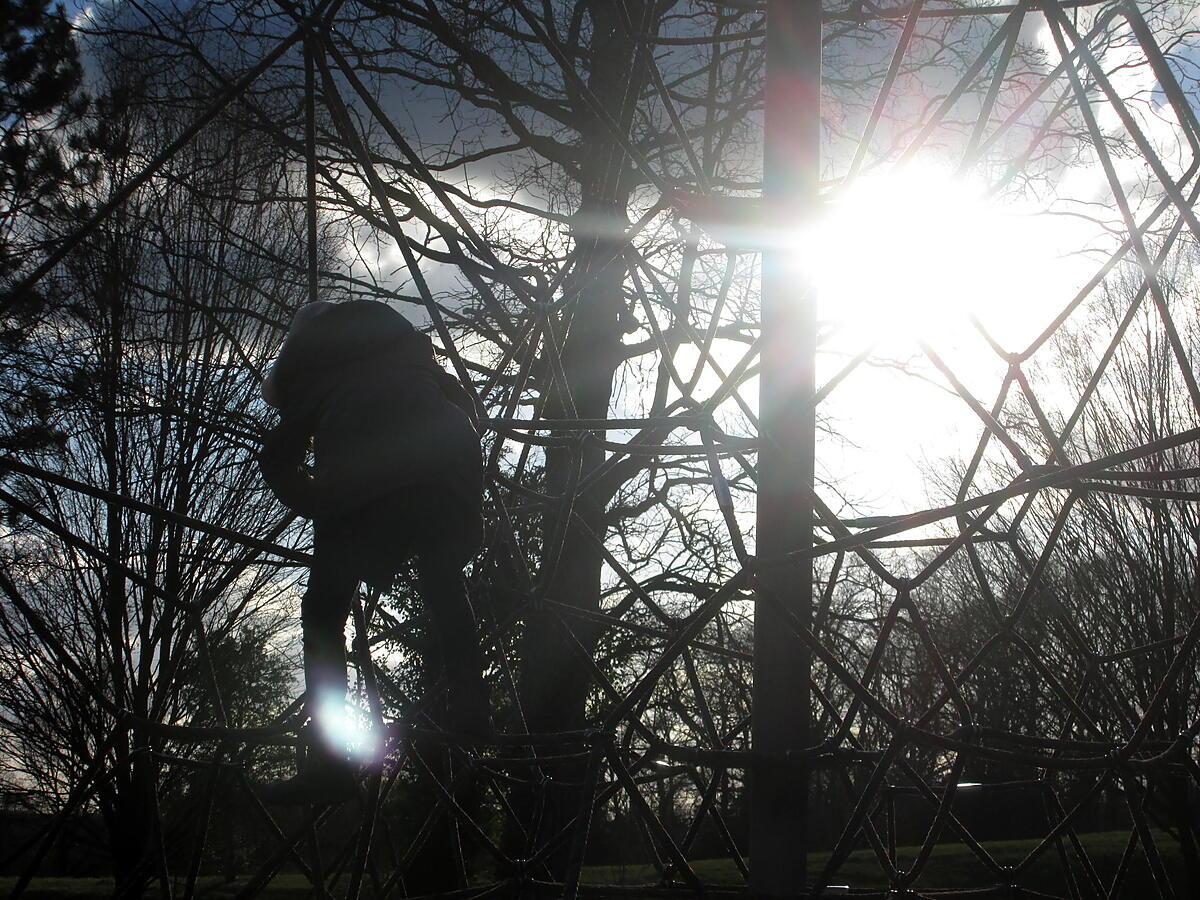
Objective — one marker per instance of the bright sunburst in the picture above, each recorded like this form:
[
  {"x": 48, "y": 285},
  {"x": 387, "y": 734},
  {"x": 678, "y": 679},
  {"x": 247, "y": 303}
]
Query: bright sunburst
[{"x": 912, "y": 255}]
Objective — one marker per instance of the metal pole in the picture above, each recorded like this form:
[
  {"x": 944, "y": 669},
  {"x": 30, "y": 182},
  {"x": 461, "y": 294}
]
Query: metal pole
[
  {"x": 310, "y": 167},
  {"x": 787, "y": 413}
]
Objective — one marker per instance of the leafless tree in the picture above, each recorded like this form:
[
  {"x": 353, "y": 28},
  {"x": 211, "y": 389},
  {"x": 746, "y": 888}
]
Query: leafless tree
[
  {"x": 145, "y": 366},
  {"x": 521, "y": 158}
]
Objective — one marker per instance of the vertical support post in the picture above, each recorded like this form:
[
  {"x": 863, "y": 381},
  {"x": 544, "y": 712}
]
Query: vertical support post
[
  {"x": 787, "y": 413},
  {"x": 310, "y": 164}
]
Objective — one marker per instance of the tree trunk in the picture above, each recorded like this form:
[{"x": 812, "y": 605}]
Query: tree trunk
[{"x": 554, "y": 677}]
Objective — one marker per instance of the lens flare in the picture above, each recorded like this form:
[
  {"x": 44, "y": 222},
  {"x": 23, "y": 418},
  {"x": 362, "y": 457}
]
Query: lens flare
[{"x": 346, "y": 729}]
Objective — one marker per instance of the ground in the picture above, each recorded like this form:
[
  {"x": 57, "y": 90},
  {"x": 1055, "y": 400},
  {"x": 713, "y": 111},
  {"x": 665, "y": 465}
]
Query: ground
[{"x": 952, "y": 866}]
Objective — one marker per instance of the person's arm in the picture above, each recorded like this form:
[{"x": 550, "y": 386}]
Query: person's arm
[
  {"x": 284, "y": 465},
  {"x": 282, "y": 461}
]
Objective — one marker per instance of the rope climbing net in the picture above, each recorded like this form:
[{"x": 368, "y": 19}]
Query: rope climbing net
[{"x": 1023, "y": 647}]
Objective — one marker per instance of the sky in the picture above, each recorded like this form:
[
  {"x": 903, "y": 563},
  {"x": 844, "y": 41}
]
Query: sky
[
  {"x": 910, "y": 254},
  {"x": 907, "y": 254}
]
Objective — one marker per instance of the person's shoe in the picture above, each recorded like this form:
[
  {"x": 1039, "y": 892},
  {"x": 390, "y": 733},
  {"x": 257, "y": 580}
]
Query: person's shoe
[
  {"x": 469, "y": 711},
  {"x": 318, "y": 785}
]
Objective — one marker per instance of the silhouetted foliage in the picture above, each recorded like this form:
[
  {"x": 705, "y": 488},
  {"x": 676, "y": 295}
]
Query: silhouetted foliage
[{"x": 41, "y": 94}]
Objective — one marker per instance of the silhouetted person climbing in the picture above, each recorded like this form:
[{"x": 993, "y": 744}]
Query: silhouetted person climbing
[{"x": 397, "y": 475}]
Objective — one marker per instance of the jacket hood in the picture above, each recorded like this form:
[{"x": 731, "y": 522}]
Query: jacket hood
[{"x": 325, "y": 336}]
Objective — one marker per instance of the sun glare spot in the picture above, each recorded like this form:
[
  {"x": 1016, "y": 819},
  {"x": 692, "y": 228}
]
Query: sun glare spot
[
  {"x": 911, "y": 256},
  {"x": 346, "y": 729}
]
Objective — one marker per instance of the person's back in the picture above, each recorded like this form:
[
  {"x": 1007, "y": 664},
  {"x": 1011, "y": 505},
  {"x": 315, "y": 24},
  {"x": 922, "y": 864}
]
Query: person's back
[
  {"x": 397, "y": 475},
  {"x": 374, "y": 435}
]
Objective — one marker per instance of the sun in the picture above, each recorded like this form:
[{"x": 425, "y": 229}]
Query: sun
[{"x": 911, "y": 256}]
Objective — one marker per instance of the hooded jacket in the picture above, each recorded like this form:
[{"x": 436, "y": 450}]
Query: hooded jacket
[{"x": 392, "y": 432}]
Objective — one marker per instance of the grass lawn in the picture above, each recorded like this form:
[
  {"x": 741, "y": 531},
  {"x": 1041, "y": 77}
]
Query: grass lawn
[{"x": 952, "y": 866}]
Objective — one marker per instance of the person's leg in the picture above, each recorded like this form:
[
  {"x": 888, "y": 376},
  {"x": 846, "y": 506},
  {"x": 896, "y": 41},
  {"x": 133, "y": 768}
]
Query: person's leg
[
  {"x": 323, "y": 612},
  {"x": 326, "y": 776},
  {"x": 439, "y": 570}
]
